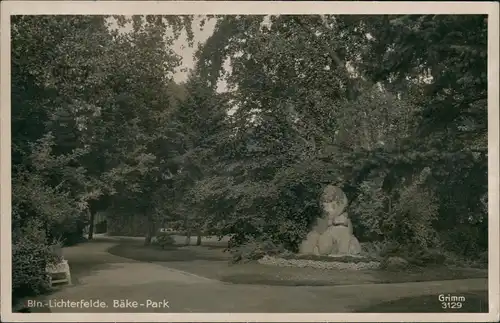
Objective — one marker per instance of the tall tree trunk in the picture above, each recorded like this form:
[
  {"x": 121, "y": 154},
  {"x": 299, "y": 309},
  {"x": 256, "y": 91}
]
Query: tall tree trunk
[
  {"x": 150, "y": 229},
  {"x": 188, "y": 237},
  {"x": 147, "y": 239},
  {"x": 187, "y": 227},
  {"x": 198, "y": 238},
  {"x": 91, "y": 214}
]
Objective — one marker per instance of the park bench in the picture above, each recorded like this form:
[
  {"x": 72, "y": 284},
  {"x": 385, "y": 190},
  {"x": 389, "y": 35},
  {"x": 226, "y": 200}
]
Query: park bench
[{"x": 59, "y": 269}]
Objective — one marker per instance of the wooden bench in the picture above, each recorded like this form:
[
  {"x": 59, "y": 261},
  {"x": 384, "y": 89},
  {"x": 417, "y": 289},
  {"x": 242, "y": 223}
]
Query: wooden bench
[{"x": 60, "y": 268}]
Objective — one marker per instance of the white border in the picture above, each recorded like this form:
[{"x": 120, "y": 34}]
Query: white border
[{"x": 246, "y": 7}]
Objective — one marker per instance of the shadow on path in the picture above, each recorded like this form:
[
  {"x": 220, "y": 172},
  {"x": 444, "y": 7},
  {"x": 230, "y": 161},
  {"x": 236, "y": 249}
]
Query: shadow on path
[
  {"x": 90, "y": 257},
  {"x": 111, "y": 279}
]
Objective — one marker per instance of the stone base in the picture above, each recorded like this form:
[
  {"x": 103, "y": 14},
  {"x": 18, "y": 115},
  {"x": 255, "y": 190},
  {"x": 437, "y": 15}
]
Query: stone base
[{"x": 336, "y": 240}]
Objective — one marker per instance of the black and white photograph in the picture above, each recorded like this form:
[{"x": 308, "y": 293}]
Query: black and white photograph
[{"x": 165, "y": 162}]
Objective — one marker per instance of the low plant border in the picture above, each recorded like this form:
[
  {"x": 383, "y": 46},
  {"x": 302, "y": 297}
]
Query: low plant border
[{"x": 346, "y": 259}]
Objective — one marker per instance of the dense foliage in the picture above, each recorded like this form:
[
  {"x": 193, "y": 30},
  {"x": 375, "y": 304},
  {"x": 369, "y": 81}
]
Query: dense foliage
[
  {"x": 391, "y": 108},
  {"x": 364, "y": 102},
  {"x": 90, "y": 111}
]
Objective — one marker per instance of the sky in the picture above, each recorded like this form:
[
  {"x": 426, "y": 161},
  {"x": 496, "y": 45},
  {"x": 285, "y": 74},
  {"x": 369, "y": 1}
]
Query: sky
[
  {"x": 200, "y": 36},
  {"x": 181, "y": 47}
]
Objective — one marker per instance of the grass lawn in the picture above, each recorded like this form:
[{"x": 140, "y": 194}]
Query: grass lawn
[
  {"x": 213, "y": 262},
  {"x": 474, "y": 303}
]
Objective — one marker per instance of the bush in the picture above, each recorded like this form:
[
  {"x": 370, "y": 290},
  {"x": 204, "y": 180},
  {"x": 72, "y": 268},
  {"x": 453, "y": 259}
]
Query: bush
[
  {"x": 101, "y": 227},
  {"x": 481, "y": 261},
  {"x": 255, "y": 249},
  {"x": 483, "y": 258},
  {"x": 30, "y": 256},
  {"x": 405, "y": 214},
  {"x": 394, "y": 263},
  {"x": 164, "y": 239},
  {"x": 56, "y": 250},
  {"x": 376, "y": 249},
  {"x": 417, "y": 209},
  {"x": 465, "y": 239},
  {"x": 432, "y": 257},
  {"x": 278, "y": 205},
  {"x": 69, "y": 231},
  {"x": 414, "y": 254}
]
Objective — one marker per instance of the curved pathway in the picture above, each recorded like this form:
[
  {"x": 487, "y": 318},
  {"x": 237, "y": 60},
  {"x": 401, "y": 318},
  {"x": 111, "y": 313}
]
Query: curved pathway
[{"x": 116, "y": 280}]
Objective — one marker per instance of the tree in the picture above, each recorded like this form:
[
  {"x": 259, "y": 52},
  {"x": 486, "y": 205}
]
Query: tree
[
  {"x": 48, "y": 107},
  {"x": 89, "y": 109},
  {"x": 50, "y": 183},
  {"x": 203, "y": 121},
  {"x": 344, "y": 99},
  {"x": 147, "y": 141},
  {"x": 450, "y": 52}
]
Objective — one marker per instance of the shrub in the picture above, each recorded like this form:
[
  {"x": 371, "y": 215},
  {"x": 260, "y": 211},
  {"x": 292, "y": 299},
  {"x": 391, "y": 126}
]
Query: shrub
[
  {"x": 69, "y": 231},
  {"x": 101, "y": 227},
  {"x": 164, "y": 239},
  {"x": 416, "y": 209},
  {"x": 256, "y": 249},
  {"x": 370, "y": 210},
  {"x": 483, "y": 257},
  {"x": 278, "y": 205},
  {"x": 405, "y": 215},
  {"x": 415, "y": 254},
  {"x": 56, "y": 250},
  {"x": 391, "y": 248},
  {"x": 30, "y": 256},
  {"x": 394, "y": 263},
  {"x": 432, "y": 257},
  {"x": 464, "y": 239},
  {"x": 376, "y": 249}
]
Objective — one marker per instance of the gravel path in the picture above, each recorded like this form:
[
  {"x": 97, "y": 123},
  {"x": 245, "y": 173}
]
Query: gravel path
[{"x": 114, "y": 280}]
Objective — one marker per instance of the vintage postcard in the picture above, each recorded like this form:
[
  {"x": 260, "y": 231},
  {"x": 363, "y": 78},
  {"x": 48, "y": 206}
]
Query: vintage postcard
[{"x": 253, "y": 161}]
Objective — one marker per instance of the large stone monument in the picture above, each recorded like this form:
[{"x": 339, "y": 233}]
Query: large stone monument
[{"x": 332, "y": 235}]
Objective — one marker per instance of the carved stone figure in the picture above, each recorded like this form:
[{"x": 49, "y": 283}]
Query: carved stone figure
[{"x": 333, "y": 233}]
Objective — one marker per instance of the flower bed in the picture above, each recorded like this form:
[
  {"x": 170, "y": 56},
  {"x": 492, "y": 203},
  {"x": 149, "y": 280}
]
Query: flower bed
[
  {"x": 338, "y": 258},
  {"x": 359, "y": 264}
]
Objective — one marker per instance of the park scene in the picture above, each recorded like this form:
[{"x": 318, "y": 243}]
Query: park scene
[{"x": 249, "y": 163}]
